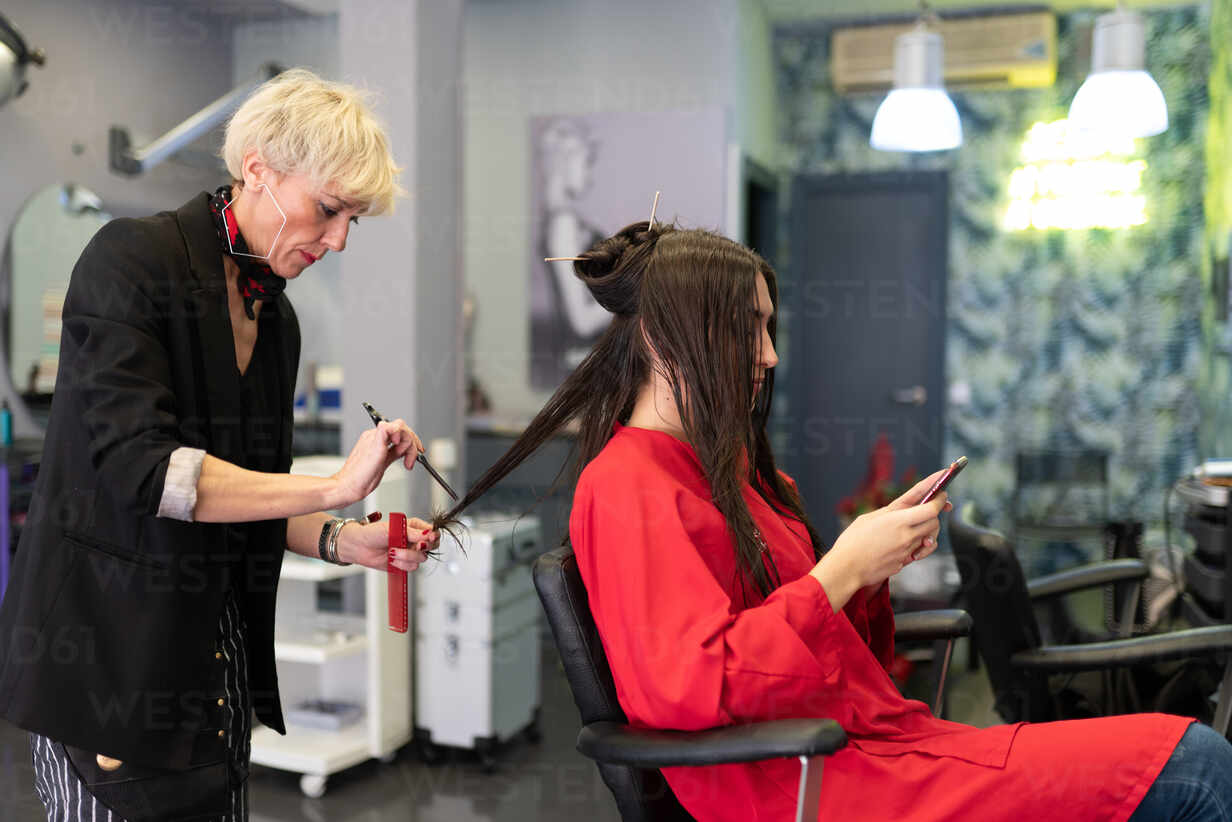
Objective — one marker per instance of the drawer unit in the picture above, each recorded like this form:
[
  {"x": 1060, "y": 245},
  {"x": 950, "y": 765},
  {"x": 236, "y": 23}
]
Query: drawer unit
[
  {"x": 1208, "y": 570},
  {"x": 477, "y": 639},
  {"x": 1208, "y": 536},
  {"x": 1208, "y": 583}
]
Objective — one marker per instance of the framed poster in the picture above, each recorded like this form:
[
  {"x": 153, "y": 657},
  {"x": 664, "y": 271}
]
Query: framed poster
[{"x": 591, "y": 176}]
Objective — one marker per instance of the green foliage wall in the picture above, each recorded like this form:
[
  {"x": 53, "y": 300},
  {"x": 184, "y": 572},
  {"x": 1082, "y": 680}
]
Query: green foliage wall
[
  {"x": 1216, "y": 380},
  {"x": 1067, "y": 339}
]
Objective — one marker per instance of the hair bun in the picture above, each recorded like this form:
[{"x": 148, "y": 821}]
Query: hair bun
[{"x": 612, "y": 268}]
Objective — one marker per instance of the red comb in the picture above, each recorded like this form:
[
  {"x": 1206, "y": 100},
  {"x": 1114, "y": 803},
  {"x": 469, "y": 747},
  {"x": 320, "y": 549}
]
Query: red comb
[{"x": 398, "y": 617}]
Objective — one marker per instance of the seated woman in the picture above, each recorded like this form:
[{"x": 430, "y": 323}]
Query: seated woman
[{"x": 717, "y": 605}]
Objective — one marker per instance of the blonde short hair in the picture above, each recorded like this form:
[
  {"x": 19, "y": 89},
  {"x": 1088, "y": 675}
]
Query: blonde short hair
[{"x": 301, "y": 124}]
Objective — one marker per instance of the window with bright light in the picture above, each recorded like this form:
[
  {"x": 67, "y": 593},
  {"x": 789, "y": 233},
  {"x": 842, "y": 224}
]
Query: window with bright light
[{"x": 1075, "y": 180}]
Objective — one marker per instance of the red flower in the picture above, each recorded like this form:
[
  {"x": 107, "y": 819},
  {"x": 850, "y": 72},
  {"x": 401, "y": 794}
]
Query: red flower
[{"x": 878, "y": 487}]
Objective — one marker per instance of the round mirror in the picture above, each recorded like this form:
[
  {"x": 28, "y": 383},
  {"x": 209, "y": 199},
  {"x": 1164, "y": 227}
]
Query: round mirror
[{"x": 46, "y": 239}]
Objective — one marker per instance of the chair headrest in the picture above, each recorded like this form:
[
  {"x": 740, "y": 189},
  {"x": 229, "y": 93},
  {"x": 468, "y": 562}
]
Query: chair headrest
[{"x": 971, "y": 534}]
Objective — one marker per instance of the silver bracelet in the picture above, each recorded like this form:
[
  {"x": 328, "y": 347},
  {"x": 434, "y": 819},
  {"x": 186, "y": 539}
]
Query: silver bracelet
[
  {"x": 333, "y": 541},
  {"x": 323, "y": 540},
  {"x": 327, "y": 537}
]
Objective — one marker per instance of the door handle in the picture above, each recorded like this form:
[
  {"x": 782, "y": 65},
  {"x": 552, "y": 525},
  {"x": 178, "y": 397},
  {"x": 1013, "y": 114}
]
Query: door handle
[{"x": 915, "y": 395}]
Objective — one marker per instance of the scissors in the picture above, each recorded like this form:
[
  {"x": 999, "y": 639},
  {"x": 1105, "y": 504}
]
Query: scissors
[{"x": 420, "y": 458}]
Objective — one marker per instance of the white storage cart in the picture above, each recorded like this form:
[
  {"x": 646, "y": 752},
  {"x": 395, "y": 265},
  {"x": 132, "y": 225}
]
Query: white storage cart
[
  {"x": 347, "y": 657},
  {"x": 477, "y": 640}
]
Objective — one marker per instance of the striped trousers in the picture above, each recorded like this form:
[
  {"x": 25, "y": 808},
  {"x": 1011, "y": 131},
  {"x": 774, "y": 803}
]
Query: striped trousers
[{"x": 67, "y": 797}]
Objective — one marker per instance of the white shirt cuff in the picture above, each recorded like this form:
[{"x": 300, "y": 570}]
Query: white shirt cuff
[{"x": 180, "y": 487}]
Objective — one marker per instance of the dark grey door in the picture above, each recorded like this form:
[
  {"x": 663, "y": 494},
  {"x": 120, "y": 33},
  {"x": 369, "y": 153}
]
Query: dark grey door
[{"x": 864, "y": 310}]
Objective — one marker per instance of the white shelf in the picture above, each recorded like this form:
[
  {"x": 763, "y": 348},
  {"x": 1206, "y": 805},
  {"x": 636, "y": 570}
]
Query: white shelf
[
  {"x": 312, "y": 570},
  {"x": 349, "y": 657},
  {"x": 318, "y": 652},
  {"x": 311, "y": 750},
  {"x": 321, "y": 637}
]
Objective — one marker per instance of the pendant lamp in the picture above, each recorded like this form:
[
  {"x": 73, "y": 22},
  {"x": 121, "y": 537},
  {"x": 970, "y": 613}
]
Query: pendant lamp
[
  {"x": 917, "y": 114},
  {"x": 1119, "y": 96}
]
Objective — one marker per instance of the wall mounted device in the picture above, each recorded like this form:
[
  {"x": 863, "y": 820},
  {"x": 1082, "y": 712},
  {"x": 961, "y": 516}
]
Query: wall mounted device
[
  {"x": 982, "y": 51},
  {"x": 133, "y": 161},
  {"x": 15, "y": 55}
]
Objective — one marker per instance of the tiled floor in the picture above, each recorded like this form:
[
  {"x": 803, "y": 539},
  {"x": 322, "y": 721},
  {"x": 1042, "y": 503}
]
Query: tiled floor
[{"x": 547, "y": 781}]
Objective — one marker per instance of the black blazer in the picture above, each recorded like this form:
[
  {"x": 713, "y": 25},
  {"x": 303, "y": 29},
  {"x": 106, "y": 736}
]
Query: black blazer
[{"x": 108, "y": 626}]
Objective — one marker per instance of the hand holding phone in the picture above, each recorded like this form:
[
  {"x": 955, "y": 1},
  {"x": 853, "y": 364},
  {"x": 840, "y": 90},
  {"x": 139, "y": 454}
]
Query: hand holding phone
[
  {"x": 955, "y": 467},
  {"x": 940, "y": 485}
]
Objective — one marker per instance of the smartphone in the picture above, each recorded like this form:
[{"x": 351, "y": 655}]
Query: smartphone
[{"x": 951, "y": 472}]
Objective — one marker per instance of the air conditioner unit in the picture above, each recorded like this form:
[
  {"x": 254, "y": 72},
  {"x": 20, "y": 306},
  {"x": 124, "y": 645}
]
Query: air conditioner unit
[{"x": 986, "y": 51}]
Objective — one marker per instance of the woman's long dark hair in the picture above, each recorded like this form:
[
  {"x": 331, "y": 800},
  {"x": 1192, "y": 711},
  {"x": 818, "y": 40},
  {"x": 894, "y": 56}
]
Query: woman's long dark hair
[{"x": 692, "y": 295}]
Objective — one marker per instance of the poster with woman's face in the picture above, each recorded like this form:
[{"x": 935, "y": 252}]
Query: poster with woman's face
[{"x": 592, "y": 175}]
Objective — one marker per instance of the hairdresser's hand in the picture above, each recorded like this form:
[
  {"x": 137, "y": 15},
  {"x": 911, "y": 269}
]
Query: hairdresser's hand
[
  {"x": 367, "y": 544},
  {"x": 372, "y": 454}
]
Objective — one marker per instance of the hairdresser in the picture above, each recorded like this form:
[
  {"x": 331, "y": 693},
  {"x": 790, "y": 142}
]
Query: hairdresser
[{"x": 137, "y": 631}]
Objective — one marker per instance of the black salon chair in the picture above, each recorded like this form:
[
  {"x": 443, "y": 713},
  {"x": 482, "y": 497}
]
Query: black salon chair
[
  {"x": 1007, "y": 635},
  {"x": 629, "y": 759}
]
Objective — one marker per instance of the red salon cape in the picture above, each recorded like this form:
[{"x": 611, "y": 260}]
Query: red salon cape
[{"x": 686, "y": 654}]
